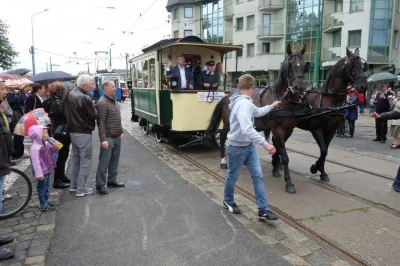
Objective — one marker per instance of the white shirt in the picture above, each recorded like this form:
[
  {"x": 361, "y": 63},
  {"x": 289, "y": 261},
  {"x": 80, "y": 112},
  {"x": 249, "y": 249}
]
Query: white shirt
[
  {"x": 183, "y": 77},
  {"x": 40, "y": 98}
]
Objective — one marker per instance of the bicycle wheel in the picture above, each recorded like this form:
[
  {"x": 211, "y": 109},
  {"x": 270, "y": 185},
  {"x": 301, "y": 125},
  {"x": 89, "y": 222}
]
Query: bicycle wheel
[{"x": 16, "y": 194}]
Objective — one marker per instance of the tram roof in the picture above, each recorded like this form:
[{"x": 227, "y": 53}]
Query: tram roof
[{"x": 190, "y": 41}]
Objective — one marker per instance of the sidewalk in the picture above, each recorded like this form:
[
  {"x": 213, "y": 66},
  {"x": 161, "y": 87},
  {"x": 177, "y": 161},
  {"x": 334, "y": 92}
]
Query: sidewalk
[{"x": 157, "y": 219}]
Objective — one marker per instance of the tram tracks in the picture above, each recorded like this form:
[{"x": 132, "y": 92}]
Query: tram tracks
[{"x": 282, "y": 215}]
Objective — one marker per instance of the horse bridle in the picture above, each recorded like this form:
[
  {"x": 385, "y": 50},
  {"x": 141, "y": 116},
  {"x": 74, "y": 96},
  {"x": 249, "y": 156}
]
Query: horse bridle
[{"x": 286, "y": 70}]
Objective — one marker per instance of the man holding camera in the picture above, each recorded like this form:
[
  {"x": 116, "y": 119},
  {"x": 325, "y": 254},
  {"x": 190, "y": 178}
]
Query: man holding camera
[{"x": 382, "y": 105}]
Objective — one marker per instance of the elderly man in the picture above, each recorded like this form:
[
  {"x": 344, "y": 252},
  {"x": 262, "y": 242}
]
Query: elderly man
[
  {"x": 209, "y": 79},
  {"x": 184, "y": 73},
  {"x": 382, "y": 105},
  {"x": 81, "y": 118},
  {"x": 111, "y": 135}
]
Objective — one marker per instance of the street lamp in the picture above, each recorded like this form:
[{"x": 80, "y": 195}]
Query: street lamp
[{"x": 33, "y": 43}]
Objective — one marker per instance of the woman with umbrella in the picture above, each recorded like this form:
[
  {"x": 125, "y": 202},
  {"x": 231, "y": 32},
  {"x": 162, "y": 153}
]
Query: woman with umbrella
[{"x": 54, "y": 107}]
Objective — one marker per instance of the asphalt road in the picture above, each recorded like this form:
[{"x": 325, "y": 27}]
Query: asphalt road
[{"x": 157, "y": 219}]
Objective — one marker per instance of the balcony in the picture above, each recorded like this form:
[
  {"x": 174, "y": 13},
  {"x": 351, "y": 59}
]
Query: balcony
[
  {"x": 228, "y": 37},
  {"x": 330, "y": 56},
  {"x": 271, "y": 31},
  {"x": 332, "y": 22},
  {"x": 228, "y": 11},
  {"x": 270, "y": 5}
]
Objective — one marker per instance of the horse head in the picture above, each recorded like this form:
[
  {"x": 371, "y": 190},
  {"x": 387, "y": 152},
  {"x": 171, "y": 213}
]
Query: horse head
[
  {"x": 294, "y": 68},
  {"x": 354, "y": 70}
]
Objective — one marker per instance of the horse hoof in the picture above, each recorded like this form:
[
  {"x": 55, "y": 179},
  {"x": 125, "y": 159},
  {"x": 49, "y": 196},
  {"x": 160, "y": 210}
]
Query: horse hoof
[
  {"x": 290, "y": 189},
  {"x": 313, "y": 169},
  {"x": 224, "y": 166},
  {"x": 276, "y": 173},
  {"x": 325, "y": 178}
]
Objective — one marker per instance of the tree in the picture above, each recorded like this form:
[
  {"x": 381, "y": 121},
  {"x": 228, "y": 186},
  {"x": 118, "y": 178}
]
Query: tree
[{"x": 7, "y": 52}]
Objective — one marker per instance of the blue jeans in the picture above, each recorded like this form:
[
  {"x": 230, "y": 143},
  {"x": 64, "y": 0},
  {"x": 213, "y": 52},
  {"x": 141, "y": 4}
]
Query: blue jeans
[
  {"x": 2, "y": 178},
  {"x": 43, "y": 190},
  {"x": 361, "y": 105},
  {"x": 352, "y": 126},
  {"x": 341, "y": 129},
  {"x": 248, "y": 156}
]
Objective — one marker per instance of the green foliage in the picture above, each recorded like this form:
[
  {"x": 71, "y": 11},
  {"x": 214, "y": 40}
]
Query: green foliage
[{"x": 7, "y": 52}]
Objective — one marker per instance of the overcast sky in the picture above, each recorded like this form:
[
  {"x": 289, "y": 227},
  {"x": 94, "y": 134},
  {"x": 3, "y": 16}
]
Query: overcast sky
[{"x": 71, "y": 26}]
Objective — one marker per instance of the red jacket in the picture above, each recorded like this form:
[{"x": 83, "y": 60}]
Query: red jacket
[{"x": 361, "y": 98}]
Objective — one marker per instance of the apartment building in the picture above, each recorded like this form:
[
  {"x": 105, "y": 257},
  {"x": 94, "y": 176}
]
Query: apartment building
[{"x": 265, "y": 27}]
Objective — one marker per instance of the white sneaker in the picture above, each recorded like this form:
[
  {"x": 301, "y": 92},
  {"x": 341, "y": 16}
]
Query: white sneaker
[
  {"x": 87, "y": 191},
  {"x": 73, "y": 189}
]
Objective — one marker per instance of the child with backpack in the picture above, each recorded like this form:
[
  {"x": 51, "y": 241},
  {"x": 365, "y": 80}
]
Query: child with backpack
[{"x": 43, "y": 162}]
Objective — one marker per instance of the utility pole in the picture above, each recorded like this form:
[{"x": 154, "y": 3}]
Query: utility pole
[
  {"x": 317, "y": 58},
  {"x": 47, "y": 67},
  {"x": 110, "y": 57},
  {"x": 127, "y": 57},
  {"x": 51, "y": 65}
]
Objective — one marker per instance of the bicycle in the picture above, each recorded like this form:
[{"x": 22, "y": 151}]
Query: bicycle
[{"x": 18, "y": 187}]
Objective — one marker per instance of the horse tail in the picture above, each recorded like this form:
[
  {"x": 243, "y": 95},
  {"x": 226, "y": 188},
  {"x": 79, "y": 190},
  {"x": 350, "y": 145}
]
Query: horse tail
[{"x": 216, "y": 117}]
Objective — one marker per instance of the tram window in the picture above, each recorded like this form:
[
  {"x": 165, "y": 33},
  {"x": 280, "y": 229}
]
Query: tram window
[
  {"x": 134, "y": 77},
  {"x": 145, "y": 74},
  {"x": 140, "y": 75},
  {"x": 152, "y": 64}
]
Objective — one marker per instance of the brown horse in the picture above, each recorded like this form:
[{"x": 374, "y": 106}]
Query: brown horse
[
  {"x": 348, "y": 70},
  {"x": 288, "y": 87}
]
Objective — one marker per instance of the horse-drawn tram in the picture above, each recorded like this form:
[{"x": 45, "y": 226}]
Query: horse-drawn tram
[{"x": 160, "y": 103}]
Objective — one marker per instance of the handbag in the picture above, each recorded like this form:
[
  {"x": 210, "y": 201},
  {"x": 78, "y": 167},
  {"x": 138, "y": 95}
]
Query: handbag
[{"x": 60, "y": 131}]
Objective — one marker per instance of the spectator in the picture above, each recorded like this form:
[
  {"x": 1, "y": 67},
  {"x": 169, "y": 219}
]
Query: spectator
[
  {"x": 5, "y": 152},
  {"x": 111, "y": 134},
  {"x": 352, "y": 112},
  {"x": 81, "y": 118},
  {"x": 35, "y": 100},
  {"x": 361, "y": 102},
  {"x": 59, "y": 130},
  {"x": 16, "y": 99},
  {"x": 371, "y": 102},
  {"x": 43, "y": 162},
  {"x": 395, "y": 127},
  {"x": 382, "y": 105},
  {"x": 390, "y": 116}
]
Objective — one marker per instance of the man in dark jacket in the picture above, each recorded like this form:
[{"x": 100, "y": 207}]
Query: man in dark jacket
[
  {"x": 35, "y": 100},
  {"x": 16, "y": 101},
  {"x": 81, "y": 119},
  {"x": 111, "y": 135},
  {"x": 390, "y": 116},
  {"x": 5, "y": 150},
  {"x": 382, "y": 105},
  {"x": 209, "y": 79}
]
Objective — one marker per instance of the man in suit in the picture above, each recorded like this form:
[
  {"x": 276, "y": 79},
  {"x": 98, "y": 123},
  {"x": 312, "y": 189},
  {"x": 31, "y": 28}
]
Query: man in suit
[
  {"x": 35, "y": 100},
  {"x": 209, "y": 79},
  {"x": 182, "y": 72}
]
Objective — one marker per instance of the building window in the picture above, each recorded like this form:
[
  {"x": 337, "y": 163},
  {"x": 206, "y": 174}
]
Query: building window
[
  {"x": 355, "y": 38},
  {"x": 356, "y": 5},
  {"x": 250, "y": 22},
  {"x": 338, "y": 5},
  {"x": 187, "y": 33},
  {"x": 239, "y": 53},
  {"x": 212, "y": 23},
  {"x": 266, "y": 25},
  {"x": 337, "y": 38},
  {"x": 240, "y": 1},
  {"x": 239, "y": 24},
  {"x": 176, "y": 34},
  {"x": 250, "y": 49},
  {"x": 188, "y": 12},
  {"x": 266, "y": 47},
  {"x": 175, "y": 13}
]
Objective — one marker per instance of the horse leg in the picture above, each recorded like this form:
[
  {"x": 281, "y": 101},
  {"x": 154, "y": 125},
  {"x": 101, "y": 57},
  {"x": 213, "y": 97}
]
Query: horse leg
[
  {"x": 282, "y": 136},
  {"x": 328, "y": 136},
  {"x": 276, "y": 160},
  {"x": 223, "y": 137},
  {"x": 319, "y": 138}
]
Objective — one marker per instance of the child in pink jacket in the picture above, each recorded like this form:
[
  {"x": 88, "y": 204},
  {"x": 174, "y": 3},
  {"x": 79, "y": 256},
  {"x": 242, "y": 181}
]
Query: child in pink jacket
[{"x": 43, "y": 163}]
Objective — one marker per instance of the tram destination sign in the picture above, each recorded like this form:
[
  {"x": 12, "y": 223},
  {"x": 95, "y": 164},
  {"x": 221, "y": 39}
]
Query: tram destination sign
[{"x": 210, "y": 96}]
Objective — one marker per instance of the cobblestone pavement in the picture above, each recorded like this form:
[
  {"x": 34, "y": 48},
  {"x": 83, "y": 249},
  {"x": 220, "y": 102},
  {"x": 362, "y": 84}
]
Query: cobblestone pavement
[
  {"x": 292, "y": 244},
  {"x": 31, "y": 228}
]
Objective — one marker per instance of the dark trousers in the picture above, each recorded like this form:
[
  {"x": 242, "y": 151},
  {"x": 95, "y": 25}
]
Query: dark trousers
[
  {"x": 381, "y": 129},
  {"x": 18, "y": 146},
  {"x": 341, "y": 129},
  {"x": 352, "y": 126},
  {"x": 59, "y": 171}
]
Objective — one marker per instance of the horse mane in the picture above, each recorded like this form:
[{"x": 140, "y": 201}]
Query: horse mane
[{"x": 330, "y": 75}]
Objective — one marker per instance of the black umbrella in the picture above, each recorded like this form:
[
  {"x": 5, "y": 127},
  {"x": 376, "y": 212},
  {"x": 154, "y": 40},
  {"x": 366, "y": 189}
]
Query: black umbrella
[
  {"x": 19, "y": 72},
  {"x": 52, "y": 76}
]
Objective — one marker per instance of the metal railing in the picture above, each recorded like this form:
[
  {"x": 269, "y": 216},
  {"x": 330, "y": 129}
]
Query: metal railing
[
  {"x": 332, "y": 19},
  {"x": 273, "y": 29},
  {"x": 265, "y": 4}
]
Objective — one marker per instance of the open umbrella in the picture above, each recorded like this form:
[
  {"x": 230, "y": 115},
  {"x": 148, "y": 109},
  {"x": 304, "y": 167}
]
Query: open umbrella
[
  {"x": 14, "y": 80},
  {"x": 34, "y": 117},
  {"x": 19, "y": 72},
  {"x": 381, "y": 77},
  {"x": 51, "y": 76}
]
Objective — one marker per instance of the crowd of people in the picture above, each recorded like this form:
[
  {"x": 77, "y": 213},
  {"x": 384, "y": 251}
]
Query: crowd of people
[{"x": 73, "y": 116}]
